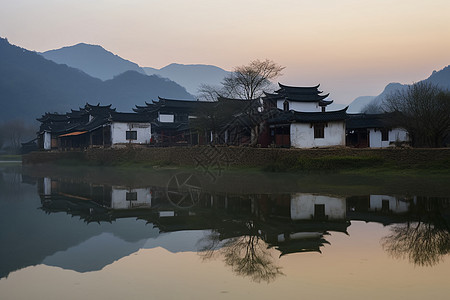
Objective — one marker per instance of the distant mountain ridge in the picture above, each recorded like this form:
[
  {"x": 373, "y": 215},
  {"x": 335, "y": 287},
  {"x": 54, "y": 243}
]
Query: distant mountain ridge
[
  {"x": 100, "y": 63},
  {"x": 190, "y": 76},
  {"x": 93, "y": 60},
  {"x": 439, "y": 78},
  {"x": 359, "y": 103},
  {"x": 31, "y": 85}
]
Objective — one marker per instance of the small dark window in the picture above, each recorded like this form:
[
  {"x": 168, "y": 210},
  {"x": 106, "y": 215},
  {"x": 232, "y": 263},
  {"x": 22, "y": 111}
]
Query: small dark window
[
  {"x": 384, "y": 134},
  {"x": 385, "y": 206},
  {"x": 131, "y": 135},
  {"x": 131, "y": 196},
  {"x": 319, "y": 130},
  {"x": 286, "y": 105},
  {"x": 319, "y": 211}
]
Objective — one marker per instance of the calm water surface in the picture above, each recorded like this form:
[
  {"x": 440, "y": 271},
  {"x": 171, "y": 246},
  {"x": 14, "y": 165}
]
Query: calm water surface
[{"x": 168, "y": 234}]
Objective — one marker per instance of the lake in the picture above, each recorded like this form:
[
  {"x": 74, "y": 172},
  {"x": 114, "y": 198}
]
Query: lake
[{"x": 105, "y": 233}]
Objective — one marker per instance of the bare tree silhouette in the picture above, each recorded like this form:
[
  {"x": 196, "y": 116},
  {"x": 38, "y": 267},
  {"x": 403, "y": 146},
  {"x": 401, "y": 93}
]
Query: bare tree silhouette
[
  {"x": 247, "y": 255},
  {"x": 421, "y": 243}
]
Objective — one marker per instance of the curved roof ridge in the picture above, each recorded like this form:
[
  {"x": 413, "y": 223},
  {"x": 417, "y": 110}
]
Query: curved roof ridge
[
  {"x": 169, "y": 99},
  {"x": 298, "y": 87}
]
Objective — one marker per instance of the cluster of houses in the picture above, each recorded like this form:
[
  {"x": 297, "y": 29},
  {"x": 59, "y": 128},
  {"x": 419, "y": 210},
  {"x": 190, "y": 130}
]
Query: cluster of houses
[{"x": 290, "y": 117}]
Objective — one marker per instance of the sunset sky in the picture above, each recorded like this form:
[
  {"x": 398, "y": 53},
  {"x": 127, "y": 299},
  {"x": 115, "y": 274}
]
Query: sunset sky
[{"x": 351, "y": 47}]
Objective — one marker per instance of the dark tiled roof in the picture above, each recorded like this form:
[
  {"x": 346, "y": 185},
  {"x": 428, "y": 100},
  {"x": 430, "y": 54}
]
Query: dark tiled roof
[
  {"x": 299, "y": 94},
  {"x": 98, "y": 110},
  {"x": 93, "y": 124},
  {"x": 308, "y": 117},
  {"x": 129, "y": 117},
  {"x": 358, "y": 121},
  {"x": 57, "y": 127},
  {"x": 53, "y": 117}
]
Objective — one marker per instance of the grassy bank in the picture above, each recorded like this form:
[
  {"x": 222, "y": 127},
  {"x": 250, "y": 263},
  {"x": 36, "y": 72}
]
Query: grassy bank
[
  {"x": 10, "y": 159},
  {"x": 341, "y": 160}
]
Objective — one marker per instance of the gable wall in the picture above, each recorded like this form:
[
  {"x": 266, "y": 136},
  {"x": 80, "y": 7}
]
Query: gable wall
[
  {"x": 302, "y": 135},
  {"x": 396, "y": 134},
  {"x": 118, "y": 133}
]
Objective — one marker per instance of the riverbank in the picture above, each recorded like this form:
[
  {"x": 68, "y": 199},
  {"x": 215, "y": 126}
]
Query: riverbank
[{"x": 215, "y": 159}]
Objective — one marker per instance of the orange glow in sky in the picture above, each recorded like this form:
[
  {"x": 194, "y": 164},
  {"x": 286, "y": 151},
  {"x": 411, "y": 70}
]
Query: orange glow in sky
[{"x": 351, "y": 47}]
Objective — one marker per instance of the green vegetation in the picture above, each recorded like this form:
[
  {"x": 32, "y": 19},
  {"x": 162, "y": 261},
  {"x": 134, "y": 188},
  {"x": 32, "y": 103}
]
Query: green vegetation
[
  {"x": 10, "y": 157},
  {"x": 326, "y": 163}
]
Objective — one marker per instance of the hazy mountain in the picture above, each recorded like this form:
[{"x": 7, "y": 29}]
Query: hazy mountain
[
  {"x": 190, "y": 76},
  {"x": 31, "y": 85},
  {"x": 440, "y": 78},
  {"x": 359, "y": 103},
  {"x": 93, "y": 60}
]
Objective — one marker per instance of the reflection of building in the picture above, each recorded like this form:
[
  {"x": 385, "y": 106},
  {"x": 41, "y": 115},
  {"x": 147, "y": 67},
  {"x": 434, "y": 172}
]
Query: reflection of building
[
  {"x": 386, "y": 203},
  {"x": 126, "y": 198},
  {"x": 317, "y": 207},
  {"x": 379, "y": 208}
]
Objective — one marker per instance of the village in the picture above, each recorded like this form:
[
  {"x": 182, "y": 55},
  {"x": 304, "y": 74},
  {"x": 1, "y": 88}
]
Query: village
[{"x": 290, "y": 117}]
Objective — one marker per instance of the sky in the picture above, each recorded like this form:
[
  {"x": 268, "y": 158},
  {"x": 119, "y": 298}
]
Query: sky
[{"x": 351, "y": 47}]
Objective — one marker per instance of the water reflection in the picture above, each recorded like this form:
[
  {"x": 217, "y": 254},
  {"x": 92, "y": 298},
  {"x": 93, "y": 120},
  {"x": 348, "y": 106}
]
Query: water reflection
[
  {"x": 425, "y": 237},
  {"x": 244, "y": 230},
  {"x": 246, "y": 254}
]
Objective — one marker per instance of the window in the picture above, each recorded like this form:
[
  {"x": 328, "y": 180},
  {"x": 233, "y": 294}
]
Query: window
[
  {"x": 319, "y": 211},
  {"x": 319, "y": 130},
  {"x": 384, "y": 134},
  {"x": 131, "y": 196},
  {"x": 286, "y": 105},
  {"x": 131, "y": 135},
  {"x": 384, "y": 205}
]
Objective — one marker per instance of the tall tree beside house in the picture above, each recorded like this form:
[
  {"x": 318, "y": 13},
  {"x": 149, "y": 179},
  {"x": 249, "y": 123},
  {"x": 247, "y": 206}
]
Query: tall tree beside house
[
  {"x": 246, "y": 82},
  {"x": 424, "y": 111},
  {"x": 249, "y": 82}
]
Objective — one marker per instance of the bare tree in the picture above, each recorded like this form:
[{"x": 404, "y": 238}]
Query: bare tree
[
  {"x": 248, "y": 82},
  {"x": 209, "y": 93},
  {"x": 372, "y": 108},
  {"x": 247, "y": 255},
  {"x": 422, "y": 243},
  {"x": 14, "y": 132},
  {"x": 424, "y": 111}
]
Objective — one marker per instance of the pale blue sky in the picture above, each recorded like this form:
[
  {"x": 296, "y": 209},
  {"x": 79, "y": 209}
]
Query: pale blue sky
[{"x": 352, "y": 48}]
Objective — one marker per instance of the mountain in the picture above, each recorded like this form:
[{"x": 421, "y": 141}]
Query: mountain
[
  {"x": 359, "y": 103},
  {"x": 31, "y": 85},
  {"x": 190, "y": 76},
  {"x": 440, "y": 78},
  {"x": 94, "y": 60}
]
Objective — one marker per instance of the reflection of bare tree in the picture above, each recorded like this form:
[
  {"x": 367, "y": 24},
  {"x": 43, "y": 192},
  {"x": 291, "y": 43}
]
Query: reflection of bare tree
[
  {"x": 423, "y": 244},
  {"x": 247, "y": 255}
]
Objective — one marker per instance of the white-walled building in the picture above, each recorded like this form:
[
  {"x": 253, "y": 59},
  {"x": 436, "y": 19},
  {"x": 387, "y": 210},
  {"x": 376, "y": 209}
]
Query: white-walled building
[
  {"x": 309, "y": 129},
  {"x": 302, "y": 120},
  {"x": 373, "y": 131},
  {"x": 130, "y": 128},
  {"x": 93, "y": 126}
]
